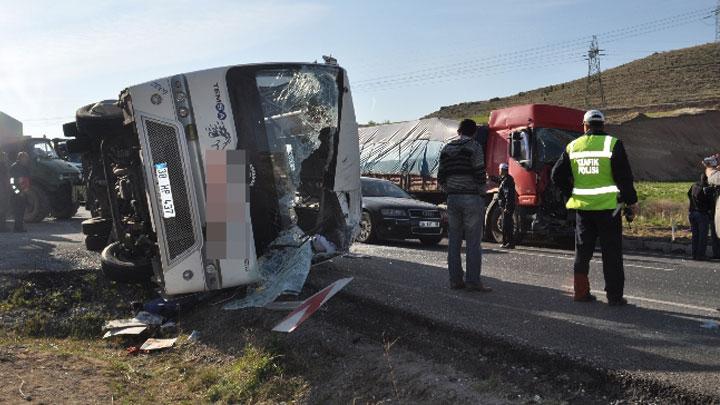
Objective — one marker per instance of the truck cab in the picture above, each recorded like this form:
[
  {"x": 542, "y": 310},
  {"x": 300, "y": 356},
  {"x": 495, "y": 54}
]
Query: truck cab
[{"x": 530, "y": 139}]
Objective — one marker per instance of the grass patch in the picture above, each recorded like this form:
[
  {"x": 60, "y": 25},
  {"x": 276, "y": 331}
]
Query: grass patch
[
  {"x": 67, "y": 304},
  {"x": 481, "y": 119},
  {"x": 662, "y": 206}
]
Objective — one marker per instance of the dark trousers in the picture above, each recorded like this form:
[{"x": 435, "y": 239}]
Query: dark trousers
[
  {"x": 589, "y": 226},
  {"x": 508, "y": 226},
  {"x": 18, "y": 207},
  {"x": 714, "y": 241},
  {"x": 699, "y": 224}
]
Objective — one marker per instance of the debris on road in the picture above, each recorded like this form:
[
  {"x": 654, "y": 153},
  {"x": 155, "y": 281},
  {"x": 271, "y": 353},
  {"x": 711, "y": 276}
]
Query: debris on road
[
  {"x": 133, "y": 330},
  {"x": 157, "y": 344},
  {"x": 309, "y": 306}
]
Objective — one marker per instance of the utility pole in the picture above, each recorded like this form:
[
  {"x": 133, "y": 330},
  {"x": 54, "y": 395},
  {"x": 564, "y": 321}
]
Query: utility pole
[
  {"x": 717, "y": 22},
  {"x": 594, "y": 77}
]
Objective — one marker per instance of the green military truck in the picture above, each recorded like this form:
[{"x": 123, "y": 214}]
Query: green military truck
[{"x": 54, "y": 183}]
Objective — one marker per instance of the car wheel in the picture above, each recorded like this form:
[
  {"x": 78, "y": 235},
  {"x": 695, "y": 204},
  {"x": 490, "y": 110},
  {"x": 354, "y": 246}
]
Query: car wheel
[
  {"x": 367, "y": 229},
  {"x": 66, "y": 210},
  {"x": 118, "y": 265},
  {"x": 431, "y": 240},
  {"x": 37, "y": 204}
]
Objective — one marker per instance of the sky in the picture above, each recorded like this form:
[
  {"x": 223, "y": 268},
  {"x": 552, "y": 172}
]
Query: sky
[{"x": 405, "y": 59}]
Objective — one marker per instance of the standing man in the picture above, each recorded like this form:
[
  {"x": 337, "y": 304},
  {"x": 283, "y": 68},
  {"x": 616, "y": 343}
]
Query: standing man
[
  {"x": 20, "y": 182},
  {"x": 506, "y": 200},
  {"x": 594, "y": 171},
  {"x": 5, "y": 191},
  {"x": 699, "y": 216},
  {"x": 462, "y": 176}
]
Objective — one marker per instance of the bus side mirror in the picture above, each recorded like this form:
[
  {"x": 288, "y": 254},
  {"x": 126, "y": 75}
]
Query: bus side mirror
[{"x": 515, "y": 149}]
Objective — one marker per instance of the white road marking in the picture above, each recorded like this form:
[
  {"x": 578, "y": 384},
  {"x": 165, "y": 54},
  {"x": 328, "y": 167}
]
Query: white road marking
[
  {"x": 592, "y": 261},
  {"x": 654, "y": 301}
]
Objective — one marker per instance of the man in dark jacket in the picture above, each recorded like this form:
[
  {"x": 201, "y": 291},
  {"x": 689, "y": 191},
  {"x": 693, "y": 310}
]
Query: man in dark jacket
[
  {"x": 20, "y": 182},
  {"x": 699, "y": 215},
  {"x": 595, "y": 174},
  {"x": 462, "y": 176},
  {"x": 5, "y": 191},
  {"x": 506, "y": 201}
]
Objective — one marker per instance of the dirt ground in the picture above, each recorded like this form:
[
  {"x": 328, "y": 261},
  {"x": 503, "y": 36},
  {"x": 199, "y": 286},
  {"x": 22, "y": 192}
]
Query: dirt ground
[{"x": 346, "y": 353}]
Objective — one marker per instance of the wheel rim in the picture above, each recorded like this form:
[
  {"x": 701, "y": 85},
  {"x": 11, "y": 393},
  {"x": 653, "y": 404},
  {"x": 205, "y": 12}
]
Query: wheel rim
[
  {"x": 497, "y": 228},
  {"x": 365, "y": 228}
]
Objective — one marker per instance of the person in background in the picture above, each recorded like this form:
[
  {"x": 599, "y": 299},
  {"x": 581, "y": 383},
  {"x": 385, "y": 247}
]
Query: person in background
[
  {"x": 461, "y": 175},
  {"x": 699, "y": 216},
  {"x": 5, "y": 191},
  {"x": 506, "y": 200},
  {"x": 20, "y": 182}
]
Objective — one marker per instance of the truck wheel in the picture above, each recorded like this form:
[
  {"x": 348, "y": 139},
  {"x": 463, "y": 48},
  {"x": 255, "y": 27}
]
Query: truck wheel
[
  {"x": 118, "y": 265},
  {"x": 430, "y": 240},
  {"x": 367, "y": 234},
  {"x": 66, "y": 210},
  {"x": 97, "y": 226},
  {"x": 494, "y": 224},
  {"x": 96, "y": 243},
  {"x": 37, "y": 204}
]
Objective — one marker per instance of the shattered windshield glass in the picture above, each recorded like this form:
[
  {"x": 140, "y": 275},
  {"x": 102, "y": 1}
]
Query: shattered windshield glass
[
  {"x": 300, "y": 109},
  {"x": 551, "y": 143}
]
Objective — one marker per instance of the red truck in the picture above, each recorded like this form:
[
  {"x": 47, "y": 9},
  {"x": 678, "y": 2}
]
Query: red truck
[{"x": 530, "y": 138}]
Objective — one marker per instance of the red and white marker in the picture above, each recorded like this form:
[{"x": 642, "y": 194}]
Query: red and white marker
[{"x": 309, "y": 306}]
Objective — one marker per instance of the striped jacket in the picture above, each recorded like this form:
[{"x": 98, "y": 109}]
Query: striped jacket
[{"x": 462, "y": 167}]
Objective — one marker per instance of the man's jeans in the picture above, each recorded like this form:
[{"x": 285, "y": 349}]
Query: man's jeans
[{"x": 466, "y": 214}]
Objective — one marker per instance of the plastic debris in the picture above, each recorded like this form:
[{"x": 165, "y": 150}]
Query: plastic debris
[
  {"x": 149, "y": 319},
  {"x": 162, "y": 307},
  {"x": 283, "y": 269},
  {"x": 133, "y": 330},
  {"x": 157, "y": 344}
]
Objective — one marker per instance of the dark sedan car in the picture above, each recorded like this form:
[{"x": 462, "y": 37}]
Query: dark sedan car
[{"x": 391, "y": 213}]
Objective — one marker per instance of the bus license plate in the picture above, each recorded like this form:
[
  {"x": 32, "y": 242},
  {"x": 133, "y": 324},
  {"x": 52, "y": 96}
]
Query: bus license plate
[
  {"x": 429, "y": 224},
  {"x": 166, "y": 199}
]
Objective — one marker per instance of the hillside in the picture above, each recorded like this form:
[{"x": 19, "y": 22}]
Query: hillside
[{"x": 688, "y": 77}]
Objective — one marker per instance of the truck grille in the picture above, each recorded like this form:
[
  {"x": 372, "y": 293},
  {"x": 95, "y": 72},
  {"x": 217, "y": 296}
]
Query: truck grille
[
  {"x": 430, "y": 214},
  {"x": 164, "y": 149}
]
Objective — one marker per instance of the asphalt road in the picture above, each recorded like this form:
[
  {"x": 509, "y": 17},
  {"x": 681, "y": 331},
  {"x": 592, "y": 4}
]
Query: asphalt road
[
  {"x": 55, "y": 245},
  {"x": 658, "y": 337}
]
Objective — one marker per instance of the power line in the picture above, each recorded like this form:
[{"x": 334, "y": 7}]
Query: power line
[{"x": 459, "y": 68}]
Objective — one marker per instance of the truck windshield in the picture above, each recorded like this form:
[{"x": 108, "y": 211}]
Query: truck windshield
[{"x": 551, "y": 143}]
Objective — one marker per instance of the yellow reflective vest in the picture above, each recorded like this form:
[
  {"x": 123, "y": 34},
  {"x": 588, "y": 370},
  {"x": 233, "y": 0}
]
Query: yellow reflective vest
[{"x": 594, "y": 187}]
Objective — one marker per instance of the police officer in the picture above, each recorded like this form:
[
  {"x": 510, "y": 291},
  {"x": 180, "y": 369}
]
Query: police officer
[
  {"x": 506, "y": 201},
  {"x": 595, "y": 173},
  {"x": 20, "y": 182}
]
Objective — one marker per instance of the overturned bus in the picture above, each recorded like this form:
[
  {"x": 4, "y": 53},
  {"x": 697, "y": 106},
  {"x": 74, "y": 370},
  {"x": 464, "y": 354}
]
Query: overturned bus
[{"x": 223, "y": 177}]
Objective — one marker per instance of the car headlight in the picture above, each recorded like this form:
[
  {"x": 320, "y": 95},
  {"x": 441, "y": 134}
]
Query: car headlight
[{"x": 393, "y": 212}]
